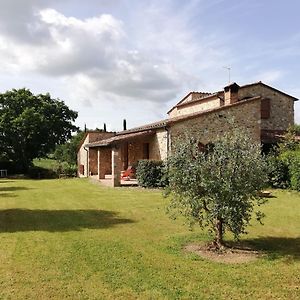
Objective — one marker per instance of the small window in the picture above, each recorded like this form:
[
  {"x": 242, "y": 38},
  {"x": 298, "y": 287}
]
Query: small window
[
  {"x": 146, "y": 151},
  {"x": 265, "y": 108}
]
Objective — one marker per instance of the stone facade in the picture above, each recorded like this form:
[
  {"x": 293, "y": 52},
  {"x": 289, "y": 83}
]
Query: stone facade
[
  {"x": 281, "y": 110},
  {"x": 281, "y": 105},
  {"x": 208, "y": 127},
  {"x": 190, "y": 97},
  {"x": 86, "y": 159},
  {"x": 82, "y": 158},
  {"x": 196, "y": 106},
  {"x": 104, "y": 156},
  {"x": 93, "y": 161},
  {"x": 159, "y": 145}
]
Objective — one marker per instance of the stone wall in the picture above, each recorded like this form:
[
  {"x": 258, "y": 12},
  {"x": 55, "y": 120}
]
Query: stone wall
[
  {"x": 209, "y": 126},
  {"x": 105, "y": 161},
  {"x": 89, "y": 162},
  {"x": 196, "y": 106},
  {"x": 135, "y": 150},
  {"x": 82, "y": 158},
  {"x": 282, "y": 107},
  {"x": 93, "y": 161},
  {"x": 157, "y": 148},
  {"x": 159, "y": 145}
]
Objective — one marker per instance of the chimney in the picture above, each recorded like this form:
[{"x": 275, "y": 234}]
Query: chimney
[
  {"x": 104, "y": 127},
  {"x": 124, "y": 124},
  {"x": 231, "y": 93}
]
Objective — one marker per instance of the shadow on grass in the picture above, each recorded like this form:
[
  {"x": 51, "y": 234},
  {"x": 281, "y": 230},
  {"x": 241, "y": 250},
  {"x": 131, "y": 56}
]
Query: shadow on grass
[
  {"x": 7, "y": 195},
  {"x": 13, "y": 188},
  {"x": 277, "y": 247},
  {"x": 16, "y": 220}
]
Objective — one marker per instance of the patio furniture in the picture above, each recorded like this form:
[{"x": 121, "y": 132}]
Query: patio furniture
[{"x": 128, "y": 174}]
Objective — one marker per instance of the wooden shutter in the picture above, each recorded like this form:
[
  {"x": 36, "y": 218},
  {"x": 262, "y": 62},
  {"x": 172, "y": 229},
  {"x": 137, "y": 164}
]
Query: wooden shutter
[{"x": 265, "y": 108}]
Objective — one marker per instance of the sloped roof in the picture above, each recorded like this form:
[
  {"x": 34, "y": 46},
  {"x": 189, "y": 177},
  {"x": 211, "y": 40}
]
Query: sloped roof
[
  {"x": 118, "y": 138},
  {"x": 205, "y": 95},
  {"x": 94, "y": 132},
  {"x": 205, "y": 112},
  {"x": 155, "y": 125},
  {"x": 201, "y": 95},
  {"x": 270, "y": 87}
]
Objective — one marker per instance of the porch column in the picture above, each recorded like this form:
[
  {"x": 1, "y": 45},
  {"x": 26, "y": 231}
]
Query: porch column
[
  {"x": 98, "y": 162},
  {"x": 116, "y": 166}
]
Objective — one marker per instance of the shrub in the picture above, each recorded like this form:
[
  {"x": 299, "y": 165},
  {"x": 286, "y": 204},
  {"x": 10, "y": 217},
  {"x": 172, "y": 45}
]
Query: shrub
[
  {"x": 35, "y": 172},
  {"x": 151, "y": 173},
  {"x": 292, "y": 161},
  {"x": 65, "y": 169},
  {"x": 294, "y": 169},
  {"x": 278, "y": 173}
]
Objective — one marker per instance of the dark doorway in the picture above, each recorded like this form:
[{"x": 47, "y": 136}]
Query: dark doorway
[
  {"x": 125, "y": 157},
  {"x": 146, "y": 151}
]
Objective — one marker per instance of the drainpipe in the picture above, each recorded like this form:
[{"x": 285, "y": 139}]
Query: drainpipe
[{"x": 87, "y": 161}]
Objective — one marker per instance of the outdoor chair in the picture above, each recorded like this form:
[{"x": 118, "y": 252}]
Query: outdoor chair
[{"x": 128, "y": 174}]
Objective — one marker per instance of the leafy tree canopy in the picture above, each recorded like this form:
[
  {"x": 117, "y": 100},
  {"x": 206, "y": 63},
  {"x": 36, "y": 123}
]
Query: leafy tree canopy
[
  {"x": 217, "y": 188},
  {"x": 68, "y": 152},
  {"x": 32, "y": 125}
]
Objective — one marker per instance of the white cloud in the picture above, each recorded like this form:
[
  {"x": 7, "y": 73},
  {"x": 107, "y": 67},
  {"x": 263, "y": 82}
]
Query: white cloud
[{"x": 129, "y": 58}]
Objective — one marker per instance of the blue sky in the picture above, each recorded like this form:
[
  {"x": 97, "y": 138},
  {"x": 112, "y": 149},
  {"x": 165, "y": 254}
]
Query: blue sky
[{"x": 116, "y": 59}]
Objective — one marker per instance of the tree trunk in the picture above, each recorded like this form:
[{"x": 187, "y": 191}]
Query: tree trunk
[{"x": 219, "y": 233}]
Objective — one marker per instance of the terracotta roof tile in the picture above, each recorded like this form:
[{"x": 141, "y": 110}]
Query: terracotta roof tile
[
  {"x": 155, "y": 125},
  {"x": 196, "y": 114},
  {"x": 118, "y": 138}
]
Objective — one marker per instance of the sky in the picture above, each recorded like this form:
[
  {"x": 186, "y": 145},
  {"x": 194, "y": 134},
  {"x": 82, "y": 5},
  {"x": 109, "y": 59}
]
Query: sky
[{"x": 111, "y": 60}]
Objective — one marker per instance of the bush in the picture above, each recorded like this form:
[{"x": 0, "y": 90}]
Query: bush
[
  {"x": 295, "y": 174},
  {"x": 151, "y": 173},
  {"x": 292, "y": 161},
  {"x": 278, "y": 173},
  {"x": 65, "y": 169},
  {"x": 35, "y": 172}
]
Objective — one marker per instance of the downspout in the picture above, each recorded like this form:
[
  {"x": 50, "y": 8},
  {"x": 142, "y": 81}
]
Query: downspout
[{"x": 87, "y": 161}]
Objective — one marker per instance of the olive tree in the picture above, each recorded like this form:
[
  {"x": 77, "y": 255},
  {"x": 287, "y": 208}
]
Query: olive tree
[{"x": 217, "y": 187}]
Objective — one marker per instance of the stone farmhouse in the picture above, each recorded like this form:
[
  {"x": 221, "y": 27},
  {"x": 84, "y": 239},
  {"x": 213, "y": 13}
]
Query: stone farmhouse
[{"x": 264, "y": 111}]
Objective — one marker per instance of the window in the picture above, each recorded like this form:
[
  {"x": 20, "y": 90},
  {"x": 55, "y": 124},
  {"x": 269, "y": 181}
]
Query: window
[{"x": 265, "y": 108}]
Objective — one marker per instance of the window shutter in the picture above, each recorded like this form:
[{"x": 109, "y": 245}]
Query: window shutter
[{"x": 265, "y": 108}]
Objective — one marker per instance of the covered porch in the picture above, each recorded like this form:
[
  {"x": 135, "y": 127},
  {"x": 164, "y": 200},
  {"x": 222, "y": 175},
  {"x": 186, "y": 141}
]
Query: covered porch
[{"x": 110, "y": 158}]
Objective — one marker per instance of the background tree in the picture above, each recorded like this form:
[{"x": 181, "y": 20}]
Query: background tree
[
  {"x": 68, "y": 152},
  {"x": 32, "y": 125},
  {"x": 219, "y": 187}
]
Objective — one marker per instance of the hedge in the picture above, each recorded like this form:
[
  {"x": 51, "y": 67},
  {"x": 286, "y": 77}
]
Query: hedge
[
  {"x": 151, "y": 173},
  {"x": 284, "y": 170}
]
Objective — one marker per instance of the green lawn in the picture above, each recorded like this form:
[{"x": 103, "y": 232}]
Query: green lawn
[{"x": 72, "y": 239}]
